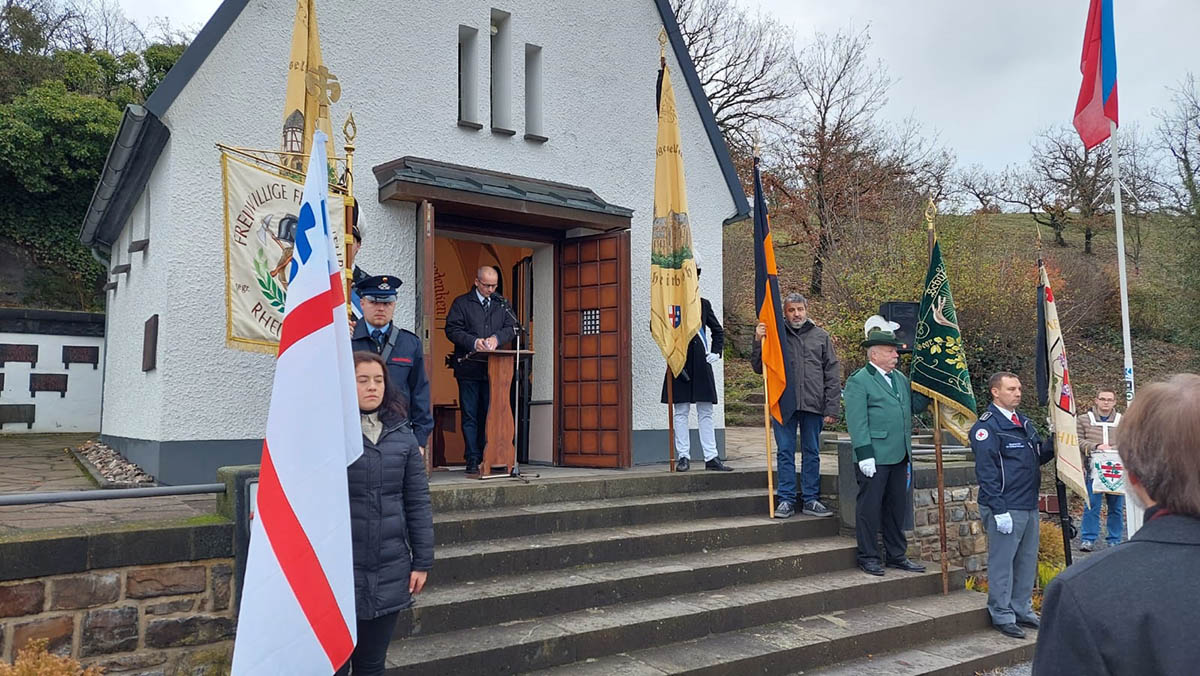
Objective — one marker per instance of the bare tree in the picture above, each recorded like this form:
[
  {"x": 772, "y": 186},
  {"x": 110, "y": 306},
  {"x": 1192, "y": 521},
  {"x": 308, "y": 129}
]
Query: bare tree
[
  {"x": 1041, "y": 198},
  {"x": 982, "y": 185},
  {"x": 746, "y": 64},
  {"x": 1081, "y": 178},
  {"x": 1179, "y": 137},
  {"x": 1141, "y": 188}
]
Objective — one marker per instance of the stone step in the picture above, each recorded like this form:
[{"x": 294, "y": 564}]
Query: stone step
[
  {"x": 555, "y": 640},
  {"x": 963, "y": 655},
  {"x": 558, "y": 517},
  {"x": 479, "y": 496},
  {"x": 449, "y": 607},
  {"x": 473, "y": 561},
  {"x": 811, "y": 640}
]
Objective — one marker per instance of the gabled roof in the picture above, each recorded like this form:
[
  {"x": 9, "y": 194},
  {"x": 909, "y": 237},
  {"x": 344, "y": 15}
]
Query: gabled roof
[{"x": 142, "y": 135}]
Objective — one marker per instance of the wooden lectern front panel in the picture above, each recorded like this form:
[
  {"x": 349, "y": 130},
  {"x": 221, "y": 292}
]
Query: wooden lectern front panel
[{"x": 595, "y": 376}]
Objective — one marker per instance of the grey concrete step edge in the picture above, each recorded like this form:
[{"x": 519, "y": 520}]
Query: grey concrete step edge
[
  {"x": 477, "y": 561},
  {"x": 962, "y": 655},
  {"x": 477, "y": 497},
  {"x": 621, "y": 582},
  {"x": 779, "y": 648},
  {"x": 629, "y": 629},
  {"x": 519, "y": 522}
]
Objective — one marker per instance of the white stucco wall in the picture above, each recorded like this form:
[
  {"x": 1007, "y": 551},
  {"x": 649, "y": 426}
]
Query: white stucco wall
[
  {"x": 79, "y": 410},
  {"x": 133, "y": 399},
  {"x": 397, "y": 64}
]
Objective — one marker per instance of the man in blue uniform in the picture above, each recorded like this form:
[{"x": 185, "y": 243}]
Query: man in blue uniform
[
  {"x": 400, "y": 349},
  {"x": 1008, "y": 455}
]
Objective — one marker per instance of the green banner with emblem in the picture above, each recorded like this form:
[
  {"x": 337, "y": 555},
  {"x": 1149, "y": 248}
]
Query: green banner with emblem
[{"x": 939, "y": 365}]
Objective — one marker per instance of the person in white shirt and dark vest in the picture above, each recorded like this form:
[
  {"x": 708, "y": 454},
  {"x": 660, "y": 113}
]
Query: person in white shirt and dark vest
[
  {"x": 478, "y": 321},
  {"x": 879, "y": 409}
]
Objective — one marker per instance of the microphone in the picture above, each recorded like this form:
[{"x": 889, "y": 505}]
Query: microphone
[{"x": 498, "y": 298}]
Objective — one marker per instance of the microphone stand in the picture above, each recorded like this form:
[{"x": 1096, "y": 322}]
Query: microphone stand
[{"x": 518, "y": 329}]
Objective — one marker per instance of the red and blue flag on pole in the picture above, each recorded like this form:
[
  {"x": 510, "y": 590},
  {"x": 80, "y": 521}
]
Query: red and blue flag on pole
[{"x": 1097, "y": 103}]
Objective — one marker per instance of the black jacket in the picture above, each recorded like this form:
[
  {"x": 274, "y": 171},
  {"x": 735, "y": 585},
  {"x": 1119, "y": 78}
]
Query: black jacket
[
  {"x": 1007, "y": 461},
  {"x": 467, "y": 320},
  {"x": 696, "y": 382},
  {"x": 1131, "y": 609},
  {"x": 813, "y": 363},
  {"x": 391, "y": 520},
  {"x": 406, "y": 366}
]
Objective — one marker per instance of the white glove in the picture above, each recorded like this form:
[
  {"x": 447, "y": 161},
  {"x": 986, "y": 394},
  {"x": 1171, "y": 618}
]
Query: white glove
[
  {"x": 1004, "y": 523},
  {"x": 712, "y": 357},
  {"x": 867, "y": 467}
]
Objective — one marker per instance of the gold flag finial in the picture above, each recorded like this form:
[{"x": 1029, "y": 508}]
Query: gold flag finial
[
  {"x": 930, "y": 213},
  {"x": 350, "y": 130},
  {"x": 662, "y": 46}
]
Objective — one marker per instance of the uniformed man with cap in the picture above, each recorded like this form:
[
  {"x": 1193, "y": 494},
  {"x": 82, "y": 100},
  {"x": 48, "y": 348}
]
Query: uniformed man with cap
[{"x": 400, "y": 349}]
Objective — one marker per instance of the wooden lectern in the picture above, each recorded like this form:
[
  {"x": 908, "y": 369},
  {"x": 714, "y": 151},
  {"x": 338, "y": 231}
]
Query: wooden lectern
[{"x": 500, "y": 426}]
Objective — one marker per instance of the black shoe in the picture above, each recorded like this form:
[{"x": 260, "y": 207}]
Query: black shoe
[
  {"x": 716, "y": 465},
  {"x": 472, "y": 468},
  {"x": 784, "y": 510},
  {"x": 1032, "y": 624},
  {"x": 871, "y": 567},
  {"x": 1010, "y": 630},
  {"x": 682, "y": 465},
  {"x": 906, "y": 564},
  {"x": 815, "y": 508}
]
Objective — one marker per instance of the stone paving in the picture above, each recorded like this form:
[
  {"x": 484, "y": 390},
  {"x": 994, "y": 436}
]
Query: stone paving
[{"x": 40, "y": 463}]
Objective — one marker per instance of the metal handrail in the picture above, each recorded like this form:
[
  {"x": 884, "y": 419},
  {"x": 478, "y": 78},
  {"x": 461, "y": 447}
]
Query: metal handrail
[{"x": 107, "y": 494}]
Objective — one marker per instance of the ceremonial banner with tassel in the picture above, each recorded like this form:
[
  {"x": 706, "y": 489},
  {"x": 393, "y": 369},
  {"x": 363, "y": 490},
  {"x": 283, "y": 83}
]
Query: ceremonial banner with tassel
[
  {"x": 939, "y": 362},
  {"x": 311, "y": 88},
  {"x": 1054, "y": 388},
  {"x": 674, "y": 286}
]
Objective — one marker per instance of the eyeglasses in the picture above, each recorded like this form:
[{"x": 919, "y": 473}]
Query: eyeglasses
[{"x": 486, "y": 286}]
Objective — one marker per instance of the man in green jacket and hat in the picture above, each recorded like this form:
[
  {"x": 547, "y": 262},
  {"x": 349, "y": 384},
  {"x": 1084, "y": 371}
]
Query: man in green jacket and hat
[{"x": 879, "y": 409}]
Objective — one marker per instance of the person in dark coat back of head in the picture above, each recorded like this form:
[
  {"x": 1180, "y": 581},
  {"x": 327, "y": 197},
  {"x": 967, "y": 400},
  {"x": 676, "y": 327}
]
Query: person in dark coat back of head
[
  {"x": 697, "y": 385},
  {"x": 391, "y": 517},
  {"x": 1134, "y": 608}
]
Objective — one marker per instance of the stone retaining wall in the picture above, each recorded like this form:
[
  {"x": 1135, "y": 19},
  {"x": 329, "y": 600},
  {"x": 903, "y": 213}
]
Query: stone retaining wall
[
  {"x": 155, "y": 601},
  {"x": 966, "y": 541}
]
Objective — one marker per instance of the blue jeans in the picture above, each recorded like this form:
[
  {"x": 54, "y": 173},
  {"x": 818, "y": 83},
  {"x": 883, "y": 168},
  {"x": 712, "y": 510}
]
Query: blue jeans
[
  {"x": 473, "y": 399},
  {"x": 1090, "y": 528},
  {"x": 809, "y": 426}
]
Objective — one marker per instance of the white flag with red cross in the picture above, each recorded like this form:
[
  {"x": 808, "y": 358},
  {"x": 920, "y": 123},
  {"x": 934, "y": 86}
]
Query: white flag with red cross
[{"x": 297, "y": 604}]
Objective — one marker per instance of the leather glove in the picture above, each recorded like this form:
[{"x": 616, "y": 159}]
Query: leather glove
[
  {"x": 867, "y": 467},
  {"x": 712, "y": 357},
  {"x": 1004, "y": 523}
]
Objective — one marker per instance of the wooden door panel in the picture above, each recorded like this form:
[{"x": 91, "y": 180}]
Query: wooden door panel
[{"x": 595, "y": 384}]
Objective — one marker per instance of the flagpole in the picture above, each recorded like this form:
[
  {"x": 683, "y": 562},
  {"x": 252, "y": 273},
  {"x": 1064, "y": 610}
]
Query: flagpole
[
  {"x": 930, "y": 213},
  {"x": 767, "y": 429},
  {"x": 670, "y": 419},
  {"x": 1133, "y": 516}
]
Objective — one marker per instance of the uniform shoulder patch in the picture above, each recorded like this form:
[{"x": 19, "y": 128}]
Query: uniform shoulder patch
[
  {"x": 985, "y": 416},
  {"x": 981, "y": 434}
]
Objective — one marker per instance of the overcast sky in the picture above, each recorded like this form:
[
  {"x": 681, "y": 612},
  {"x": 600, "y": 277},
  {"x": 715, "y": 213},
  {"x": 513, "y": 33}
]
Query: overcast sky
[{"x": 986, "y": 75}]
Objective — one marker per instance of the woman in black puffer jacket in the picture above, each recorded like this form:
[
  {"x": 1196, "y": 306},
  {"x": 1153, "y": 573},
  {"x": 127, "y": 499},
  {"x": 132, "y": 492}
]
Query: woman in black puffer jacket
[{"x": 391, "y": 520}]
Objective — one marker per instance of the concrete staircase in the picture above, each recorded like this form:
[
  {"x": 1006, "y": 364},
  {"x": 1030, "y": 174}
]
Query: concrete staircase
[{"x": 652, "y": 573}]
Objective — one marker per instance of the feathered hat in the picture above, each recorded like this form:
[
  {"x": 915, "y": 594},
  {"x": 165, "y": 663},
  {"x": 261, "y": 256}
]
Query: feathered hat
[{"x": 879, "y": 331}]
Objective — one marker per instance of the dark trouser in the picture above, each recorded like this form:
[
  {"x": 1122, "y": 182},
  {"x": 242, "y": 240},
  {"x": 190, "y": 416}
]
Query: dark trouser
[
  {"x": 881, "y": 502},
  {"x": 473, "y": 399},
  {"x": 370, "y": 653},
  {"x": 1012, "y": 565}
]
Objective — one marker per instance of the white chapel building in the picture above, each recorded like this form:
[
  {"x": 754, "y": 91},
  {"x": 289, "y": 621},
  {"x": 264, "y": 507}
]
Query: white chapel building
[{"x": 520, "y": 134}]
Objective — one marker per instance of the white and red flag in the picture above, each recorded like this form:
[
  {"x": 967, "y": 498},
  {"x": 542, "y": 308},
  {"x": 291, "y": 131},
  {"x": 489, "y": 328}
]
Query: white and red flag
[{"x": 297, "y": 608}]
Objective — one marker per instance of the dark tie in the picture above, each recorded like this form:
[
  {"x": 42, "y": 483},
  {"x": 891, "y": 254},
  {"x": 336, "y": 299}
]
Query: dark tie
[
  {"x": 377, "y": 336},
  {"x": 1015, "y": 419},
  {"x": 486, "y": 302}
]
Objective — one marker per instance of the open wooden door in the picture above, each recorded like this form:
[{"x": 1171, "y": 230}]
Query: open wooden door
[
  {"x": 595, "y": 376},
  {"x": 424, "y": 302}
]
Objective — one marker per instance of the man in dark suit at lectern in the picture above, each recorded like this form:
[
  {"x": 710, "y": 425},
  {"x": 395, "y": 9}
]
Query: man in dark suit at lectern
[{"x": 478, "y": 321}]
